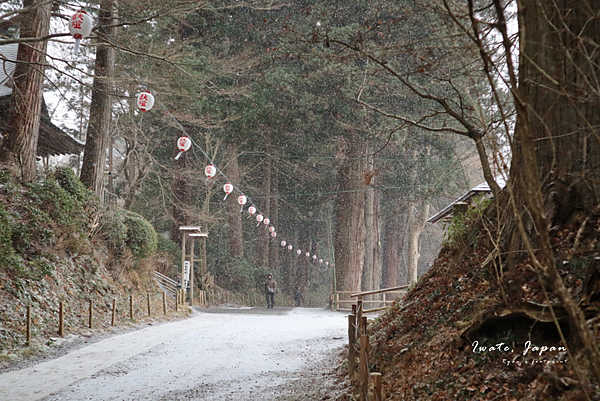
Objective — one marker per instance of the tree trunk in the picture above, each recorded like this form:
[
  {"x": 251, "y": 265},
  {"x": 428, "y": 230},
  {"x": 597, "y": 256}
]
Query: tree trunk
[
  {"x": 377, "y": 268},
  {"x": 94, "y": 155},
  {"x": 350, "y": 225},
  {"x": 416, "y": 223},
  {"x": 556, "y": 144},
  {"x": 274, "y": 211},
  {"x": 263, "y": 235},
  {"x": 236, "y": 243},
  {"x": 392, "y": 244},
  {"x": 181, "y": 195},
  {"x": 19, "y": 148},
  {"x": 367, "y": 274},
  {"x": 369, "y": 280}
]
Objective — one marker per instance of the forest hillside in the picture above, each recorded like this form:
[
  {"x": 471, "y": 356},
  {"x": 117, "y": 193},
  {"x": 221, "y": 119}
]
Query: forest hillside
[{"x": 57, "y": 246}]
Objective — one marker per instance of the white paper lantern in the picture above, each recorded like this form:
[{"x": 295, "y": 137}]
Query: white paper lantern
[
  {"x": 326, "y": 263},
  {"x": 251, "y": 210},
  {"x": 145, "y": 101},
  {"x": 320, "y": 260},
  {"x": 266, "y": 221},
  {"x": 283, "y": 243},
  {"x": 210, "y": 171},
  {"x": 290, "y": 247},
  {"x": 273, "y": 234},
  {"x": 314, "y": 257},
  {"x": 307, "y": 254},
  {"x": 299, "y": 252},
  {"x": 272, "y": 229},
  {"x": 183, "y": 144},
  {"x": 259, "y": 217},
  {"x": 242, "y": 201},
  {"x": 80, "y": 26},
  {"x": 228, "y": 188}
]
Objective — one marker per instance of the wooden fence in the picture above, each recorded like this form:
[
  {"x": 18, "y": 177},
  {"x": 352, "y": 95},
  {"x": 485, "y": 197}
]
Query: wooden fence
[
  {"x": 370, "y": 383},
  {"x": 129, "y": 308},
  {"x": 342, "y": 300}
]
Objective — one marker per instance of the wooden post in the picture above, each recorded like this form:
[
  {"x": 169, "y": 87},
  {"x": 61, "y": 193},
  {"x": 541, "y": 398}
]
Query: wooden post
[
  {"x": 131, "y": 307},
  {"x": 176, "y": 300},
  {"x": 359, "y": 311},
  {"x": 114, "y": 312},
  {"x": 148, "y": 298},
  {"x": 351, "y": 345},
  {"x": 28, "y": 334},
  {"x": 192, "y": 273},
  {"x": 91, "y": 315},
  {"x": 364, "y": 368},
  {"x": 377, "y": 389},
  {"x": 183, "y": 255},
  {"x": 353, "y": 309},
  {"x": 364, "y": 325},
  {"x": 61, "y": 320},
  {"x": 164, "y": 295}
]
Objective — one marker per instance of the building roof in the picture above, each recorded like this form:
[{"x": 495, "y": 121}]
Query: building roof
[
  {"x": 52, "y": 141},
  {"x": 482, "y": 188}
]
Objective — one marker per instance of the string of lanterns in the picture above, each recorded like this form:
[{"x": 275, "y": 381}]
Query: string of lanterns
[
  {"x": 80, "y": 26},
  {"x": 184, "y": 144}
]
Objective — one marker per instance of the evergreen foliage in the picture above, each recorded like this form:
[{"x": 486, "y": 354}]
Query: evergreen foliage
[
  {"x": 123, "y": 230},
  {"x": 141, "y": 237}
]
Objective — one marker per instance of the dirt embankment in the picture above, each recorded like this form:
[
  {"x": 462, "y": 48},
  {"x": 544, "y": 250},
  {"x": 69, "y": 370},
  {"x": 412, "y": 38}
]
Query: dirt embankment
[
  {"x": 75, "y": 290},
  {"x": 56, "y": 246},
  {"x": 473, "y": 329}
]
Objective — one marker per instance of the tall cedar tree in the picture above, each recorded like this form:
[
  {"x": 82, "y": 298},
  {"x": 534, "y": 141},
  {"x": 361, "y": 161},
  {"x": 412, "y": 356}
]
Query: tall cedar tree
[
  {"x": 556, "y": 149},
  {"x": 94, "y": 156},
  {"x": 19, "y": 148}
]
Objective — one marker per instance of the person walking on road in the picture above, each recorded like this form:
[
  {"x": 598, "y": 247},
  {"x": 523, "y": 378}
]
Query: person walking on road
[
  {"x": 298, "y": 296},
  {"x": 270, "y": 291}
]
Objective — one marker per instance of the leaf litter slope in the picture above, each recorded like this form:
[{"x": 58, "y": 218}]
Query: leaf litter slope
[{"x": 469, "y": 328}]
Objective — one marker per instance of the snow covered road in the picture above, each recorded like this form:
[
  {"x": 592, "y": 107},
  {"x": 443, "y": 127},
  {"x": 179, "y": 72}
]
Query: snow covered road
[{"x": 227, "y": 354}]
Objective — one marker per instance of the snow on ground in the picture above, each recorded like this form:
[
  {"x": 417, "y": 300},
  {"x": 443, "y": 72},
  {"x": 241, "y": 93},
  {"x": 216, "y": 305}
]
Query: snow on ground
[{"x": 226, "y": 354}]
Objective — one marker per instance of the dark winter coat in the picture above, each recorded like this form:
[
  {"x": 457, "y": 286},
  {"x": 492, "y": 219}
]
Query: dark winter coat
[{"x": 270, "y": 283}]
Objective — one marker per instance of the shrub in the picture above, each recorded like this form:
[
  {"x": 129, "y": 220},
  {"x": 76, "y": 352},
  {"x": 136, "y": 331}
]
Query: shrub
[
  {"x": 66, "y": 178},
  {"x": 455, "y": 232},
  {"x": 8, "y": 259},
  {"x": 141, "y": 237},
  {"x": 114, "y": 231},
  {"x": 64, "y": 208},
  {"x": 166, "y": 246}
]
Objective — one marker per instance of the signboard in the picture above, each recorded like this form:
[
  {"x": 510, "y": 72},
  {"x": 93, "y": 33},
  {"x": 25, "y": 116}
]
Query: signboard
[{"x": 186, "y": 272}]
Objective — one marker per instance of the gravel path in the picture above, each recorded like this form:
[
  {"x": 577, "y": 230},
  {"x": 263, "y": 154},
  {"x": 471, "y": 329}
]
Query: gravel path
[{"x": 225, "y": 354}]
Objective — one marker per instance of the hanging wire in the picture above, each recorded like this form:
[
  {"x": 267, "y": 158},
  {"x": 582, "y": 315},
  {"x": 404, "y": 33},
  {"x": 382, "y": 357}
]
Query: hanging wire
[{"x": 113, "y": 41}]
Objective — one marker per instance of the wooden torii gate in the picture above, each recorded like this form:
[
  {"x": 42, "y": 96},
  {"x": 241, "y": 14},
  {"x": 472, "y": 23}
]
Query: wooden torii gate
[{"x": 187, "y": 259}]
